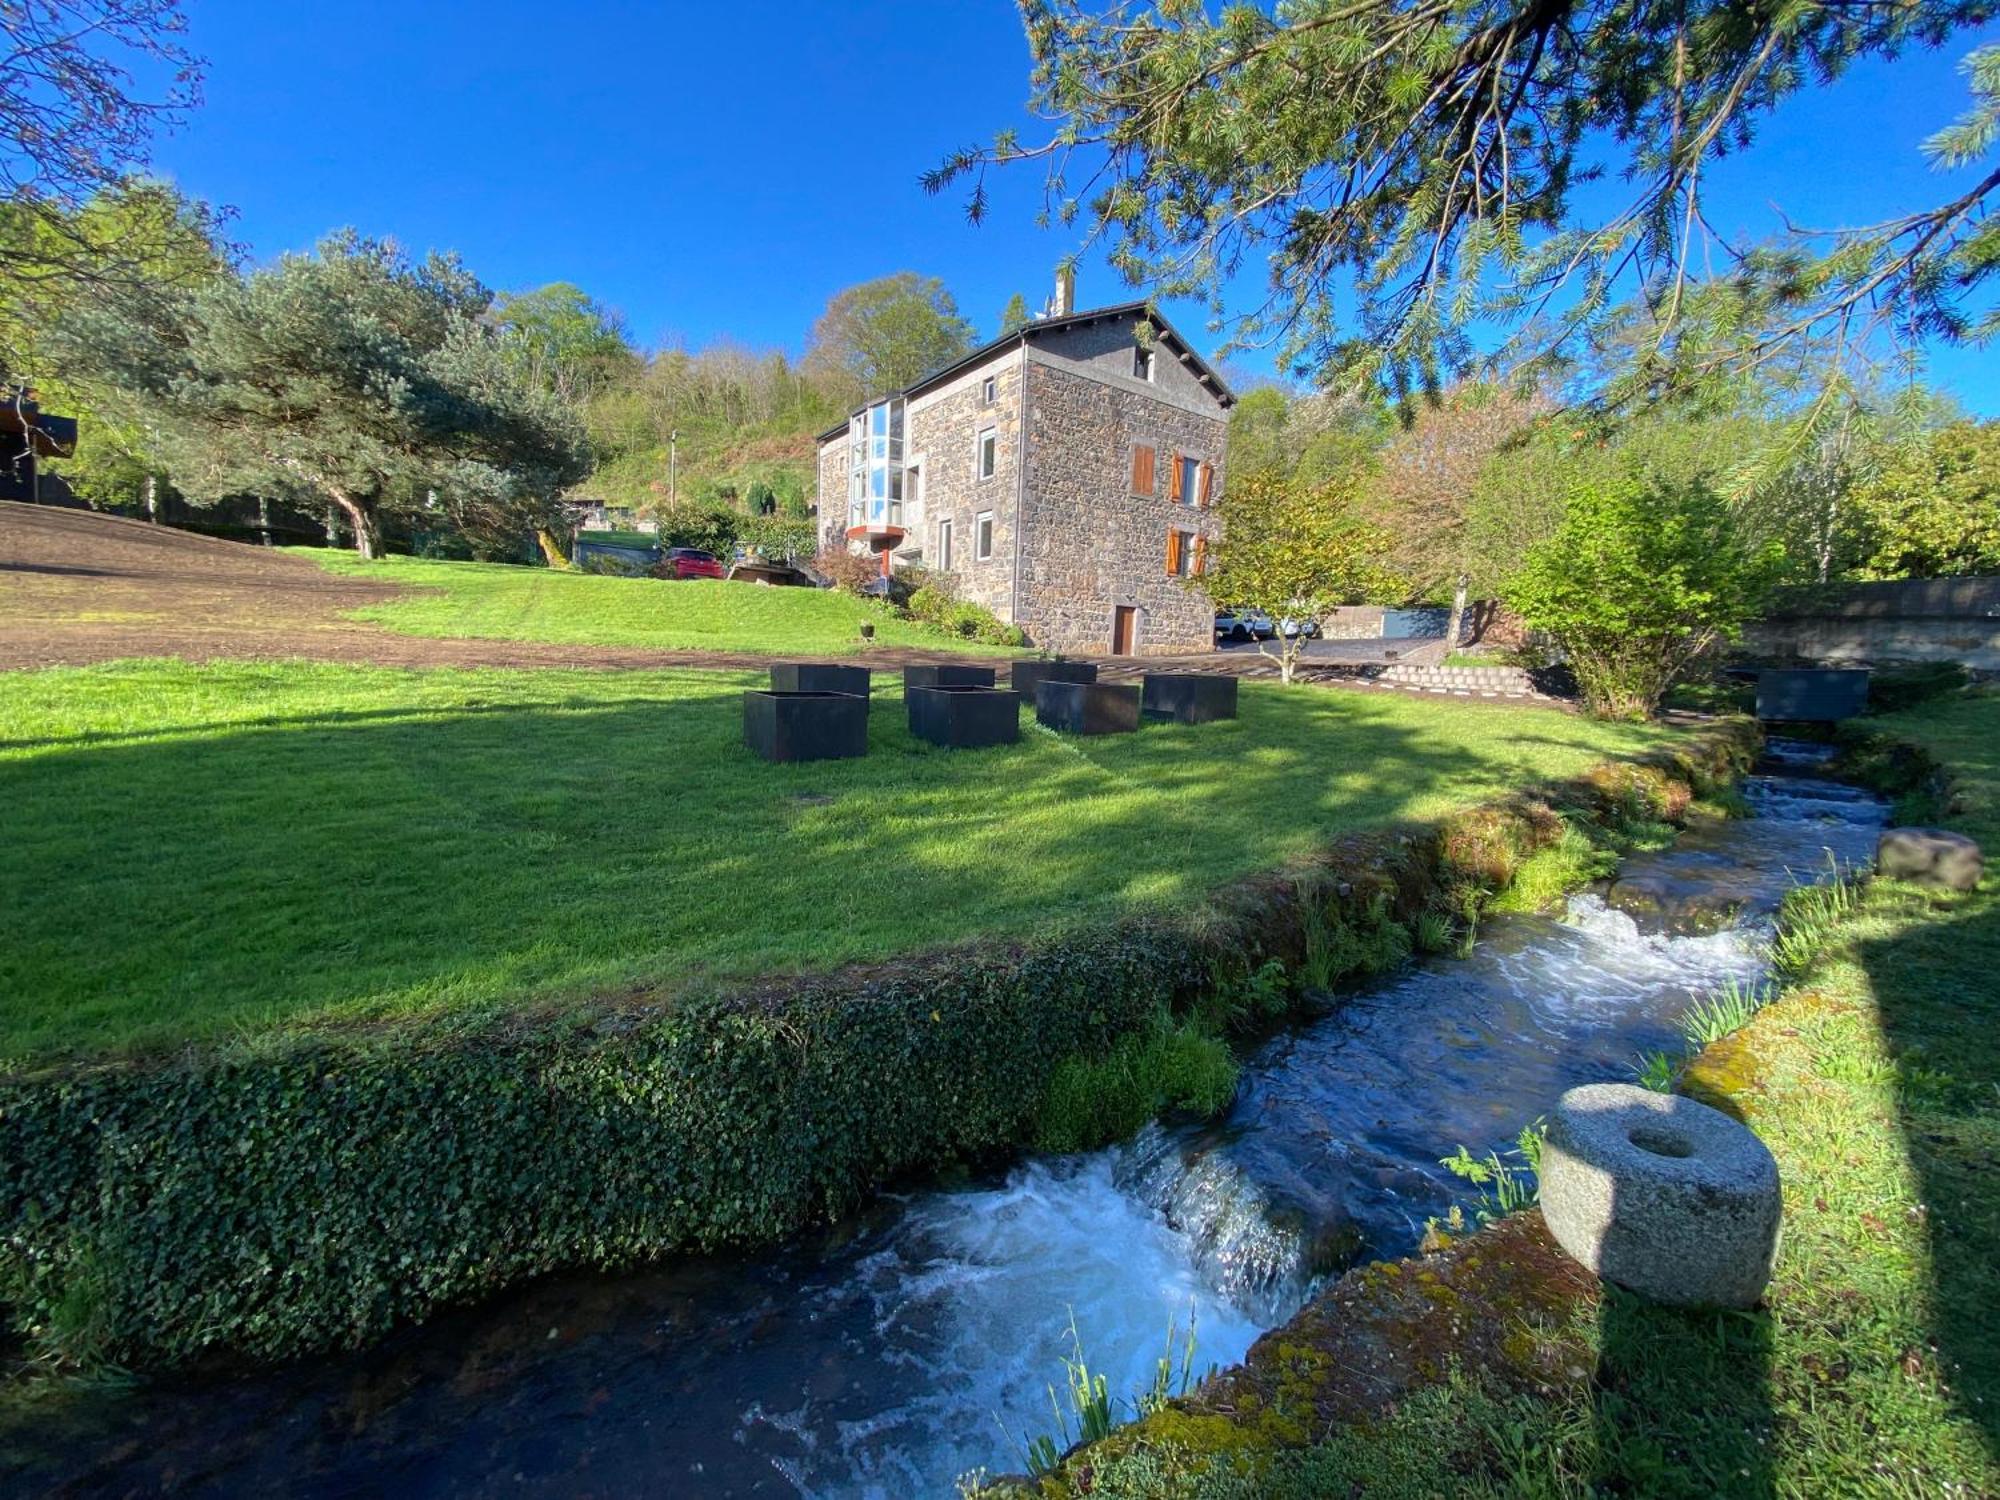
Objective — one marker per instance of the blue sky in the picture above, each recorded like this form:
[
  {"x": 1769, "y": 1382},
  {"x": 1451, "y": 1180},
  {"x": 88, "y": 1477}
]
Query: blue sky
[{"x": 722, "y": 170}]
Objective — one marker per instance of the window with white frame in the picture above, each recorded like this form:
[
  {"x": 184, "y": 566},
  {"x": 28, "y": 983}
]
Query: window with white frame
[
  {"x": 989, "y": 391},
  {"x": 982, "y": 536},
  {"x": 944, "y": 546},
  {"x": 1142, "y": 363},
  {"x": 986, "y": 453}
]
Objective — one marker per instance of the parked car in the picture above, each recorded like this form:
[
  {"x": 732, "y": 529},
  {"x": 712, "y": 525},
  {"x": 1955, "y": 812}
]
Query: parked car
[
  {"x": 1291, "y": 628},
  {"x": 689, "y": 562},
  {"x": 1243, "y": 625}
]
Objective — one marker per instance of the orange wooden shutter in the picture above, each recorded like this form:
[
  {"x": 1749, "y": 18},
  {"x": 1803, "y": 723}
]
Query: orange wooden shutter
[
  {"x": 1174, "y": 479},
  {"x": 1205, "y": 486},
  {"x": 1200, "y": 556},
  {"x": 1142, "y": 469},
  {"x": 1173, "y": 553}
]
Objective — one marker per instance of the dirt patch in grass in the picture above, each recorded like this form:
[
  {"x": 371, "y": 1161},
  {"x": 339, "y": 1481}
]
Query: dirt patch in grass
[{"x": 78, "y": 588}]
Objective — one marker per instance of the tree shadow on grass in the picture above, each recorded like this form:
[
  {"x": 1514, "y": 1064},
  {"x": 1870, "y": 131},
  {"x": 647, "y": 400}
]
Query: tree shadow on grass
[
  {"x": 351, "y": 863},
  {"x": 1936, "y": 983},
  {"x": 1683, "y": 1400}
]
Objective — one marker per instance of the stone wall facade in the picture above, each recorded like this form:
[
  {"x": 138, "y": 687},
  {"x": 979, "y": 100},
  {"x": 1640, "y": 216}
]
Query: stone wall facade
[
  {"x": 943, "y": 446},
  {"x": 1069, "y": 543},
  {"x": 1089, "y": 546}
]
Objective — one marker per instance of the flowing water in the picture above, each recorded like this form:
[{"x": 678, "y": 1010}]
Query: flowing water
[{"x": 917, "y": 1342}]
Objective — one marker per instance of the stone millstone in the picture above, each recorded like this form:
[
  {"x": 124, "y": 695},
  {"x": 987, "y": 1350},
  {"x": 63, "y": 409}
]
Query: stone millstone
[
  {"x": 1929, "y": 856},
  {"x": 1660, "y": 1194}
]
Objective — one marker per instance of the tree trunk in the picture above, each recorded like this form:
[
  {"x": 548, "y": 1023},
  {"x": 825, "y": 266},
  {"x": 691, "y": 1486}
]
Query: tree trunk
[
  {"x": 333, "y": 526},
  {"x": 1456, "y": 624},
  {"x": 552, "y": 551},
  {"x": 360, "y": 516},
  {"x": 153, "y": 498},
  {"x": 264, "y": 520}
]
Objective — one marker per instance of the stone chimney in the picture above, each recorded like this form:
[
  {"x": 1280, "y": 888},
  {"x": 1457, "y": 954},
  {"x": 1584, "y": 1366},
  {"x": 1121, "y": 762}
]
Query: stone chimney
[{"x": 1064, "y": 302}]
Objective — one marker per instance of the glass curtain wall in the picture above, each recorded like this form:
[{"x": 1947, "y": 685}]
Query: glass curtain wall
[{"x": 875, "y": 466}]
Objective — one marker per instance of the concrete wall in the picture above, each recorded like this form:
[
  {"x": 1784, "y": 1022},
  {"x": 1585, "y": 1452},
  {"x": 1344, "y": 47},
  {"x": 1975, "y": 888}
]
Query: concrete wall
[
  {"x": 1088, "y": 545},
  {"x": 1915, "y": 620}
]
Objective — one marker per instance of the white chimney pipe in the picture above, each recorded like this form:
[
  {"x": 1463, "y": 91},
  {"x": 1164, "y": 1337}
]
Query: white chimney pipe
[{"x": 1065, "y": 298}]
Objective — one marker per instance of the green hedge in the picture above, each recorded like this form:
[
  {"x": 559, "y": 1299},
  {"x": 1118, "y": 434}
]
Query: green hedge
[{"x": 312, "y": 1189}]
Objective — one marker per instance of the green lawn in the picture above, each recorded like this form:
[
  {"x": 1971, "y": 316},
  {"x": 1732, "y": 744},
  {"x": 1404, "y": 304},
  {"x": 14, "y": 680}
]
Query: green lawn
[
  {"x": 497, "y": 601},
  {"x": 196, "y": 849}
]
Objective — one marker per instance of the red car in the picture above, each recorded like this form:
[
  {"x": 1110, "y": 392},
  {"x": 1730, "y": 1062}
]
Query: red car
[{"x": 689, "y": 562}]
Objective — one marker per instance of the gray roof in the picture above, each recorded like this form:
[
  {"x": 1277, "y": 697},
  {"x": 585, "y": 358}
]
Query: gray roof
[{"x": 1028, "y": 332}]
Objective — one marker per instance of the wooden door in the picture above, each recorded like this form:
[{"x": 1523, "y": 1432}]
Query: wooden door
[{"x": 1124, "y": 622}]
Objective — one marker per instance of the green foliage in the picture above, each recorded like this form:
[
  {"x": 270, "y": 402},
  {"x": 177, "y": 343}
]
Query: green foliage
[
  {"x": 1895, "y": 689},
  {"x": 541, "y": 604},
  {"x": 390, "y": 390},
  {"x": 935, "y": 605},
  {"x": 1409, "y": 179},
  {"x": 1507, "y": 1184},
  {"x": 888, "y": 333},
  {"x": 1639, "y": 582},
  {"x": 1809, "y": 914},
  {"x": 1015, "y": 315},
  {"x": 317, "y": 1189},
  {"x": 1547, "y": 876},
  {"x": 1725, "y": 1010},
  {"x": 1932, "y": 508},
  {"x": 1340, "y": 945},
  {"x": 1295, "y": 551},
  {"x": 1656, "y": 1071},
  {"x": 1092, "y": 1101}
]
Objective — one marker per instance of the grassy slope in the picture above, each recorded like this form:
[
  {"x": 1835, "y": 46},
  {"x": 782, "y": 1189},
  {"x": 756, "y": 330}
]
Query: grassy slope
[
  {"x": 200, "y": 848},
  {"x": 494, "y": 601},
  {"x": 1874, "y": 1366}
]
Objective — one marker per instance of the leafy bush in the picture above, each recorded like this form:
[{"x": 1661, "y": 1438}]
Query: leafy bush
[
  {"x": 711, "y": 528},
  {"x": 935, "y": 605},
  {"x": 1898, "y": 688},
  {"x": 1092, "y": 1101},
  {"x": 846, "y": 571},
  {"x": 779, "y": 537},
  {"x": 1643, "y": 579}
]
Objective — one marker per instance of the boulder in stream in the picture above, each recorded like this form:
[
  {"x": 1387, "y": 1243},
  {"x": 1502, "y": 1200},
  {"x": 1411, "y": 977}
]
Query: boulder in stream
[{"x": 1662, "y": 1195}]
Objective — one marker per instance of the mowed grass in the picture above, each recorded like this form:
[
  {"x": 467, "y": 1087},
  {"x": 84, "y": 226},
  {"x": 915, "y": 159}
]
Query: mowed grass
[
  {"x": 195, "y": 849},
  {"x": 496, "y": 601}
]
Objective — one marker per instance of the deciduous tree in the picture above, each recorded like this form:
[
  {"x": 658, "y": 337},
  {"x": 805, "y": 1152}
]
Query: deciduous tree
[
  {"x": 1932, "y": 507},
  {"x": 1422, "y": 488},
  {"x": 1297, "y": 552},
  {"x": 1641, "y": 579},
  {"x": 888, "y": 333}
]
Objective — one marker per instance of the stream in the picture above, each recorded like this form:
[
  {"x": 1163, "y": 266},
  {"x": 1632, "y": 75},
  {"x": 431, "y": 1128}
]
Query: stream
[{"x": 915, "y": 1342}]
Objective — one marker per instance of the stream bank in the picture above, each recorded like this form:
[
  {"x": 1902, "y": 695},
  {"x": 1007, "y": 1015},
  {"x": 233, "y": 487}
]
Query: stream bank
[{"x": 914, "y": 1342}]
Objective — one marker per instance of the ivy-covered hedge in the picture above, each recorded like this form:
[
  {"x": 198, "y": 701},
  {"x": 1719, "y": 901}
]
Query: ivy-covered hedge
[{"x": 316, "y": 1188}]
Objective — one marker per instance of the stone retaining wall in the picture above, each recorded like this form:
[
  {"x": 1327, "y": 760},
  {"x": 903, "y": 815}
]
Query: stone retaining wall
[{"x": 1510, "y": 680}]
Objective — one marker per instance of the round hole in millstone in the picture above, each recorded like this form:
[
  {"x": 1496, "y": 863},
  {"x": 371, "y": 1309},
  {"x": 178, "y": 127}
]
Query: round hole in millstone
[{"x": 1660, "y": 1142}]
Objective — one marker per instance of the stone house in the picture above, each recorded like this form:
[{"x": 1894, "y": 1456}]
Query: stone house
[{"x": 1063, "y": 476}]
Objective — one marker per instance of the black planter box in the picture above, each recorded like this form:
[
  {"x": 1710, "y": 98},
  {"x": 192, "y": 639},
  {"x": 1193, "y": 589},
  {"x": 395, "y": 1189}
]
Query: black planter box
[
  {"x": 916, "y": 677},
  {"x": 1088, "y": 707},
  {"x": 818, "y": 677},
  {"x": 1188, "y": 697},
  {"x": 1817, "y": 695},
  {"x": 1030, "y": 675},
  {"x": 964, "y": 717},
  {"x": 805, "y": 726}
]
